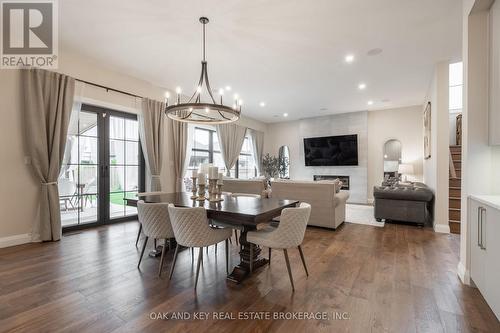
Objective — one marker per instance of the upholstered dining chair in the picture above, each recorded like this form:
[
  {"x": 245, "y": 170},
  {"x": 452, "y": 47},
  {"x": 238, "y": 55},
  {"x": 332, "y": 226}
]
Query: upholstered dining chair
[
  {"x": 142, "y": 195},
  {"x": 191, "y": 229},
  {"x": 225, "y": 225},
  {"x": 155, "y": 222},
  {"x": 289, "y": 234}
]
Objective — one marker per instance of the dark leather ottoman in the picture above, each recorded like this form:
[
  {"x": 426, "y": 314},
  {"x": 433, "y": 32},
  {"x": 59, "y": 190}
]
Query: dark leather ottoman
[{"x": 404, "y": 203}]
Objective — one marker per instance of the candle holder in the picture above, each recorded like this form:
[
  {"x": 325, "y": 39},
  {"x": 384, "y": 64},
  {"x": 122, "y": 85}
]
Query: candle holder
[
  {"x": 201, "y": 192},
  {"x": 193, "y": 189},
  {"x": 219, "y": 192},
  {"x": 212, "y": 190}
]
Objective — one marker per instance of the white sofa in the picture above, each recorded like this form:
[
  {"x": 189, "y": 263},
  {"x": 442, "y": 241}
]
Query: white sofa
[{"x": 327, "y": 205}]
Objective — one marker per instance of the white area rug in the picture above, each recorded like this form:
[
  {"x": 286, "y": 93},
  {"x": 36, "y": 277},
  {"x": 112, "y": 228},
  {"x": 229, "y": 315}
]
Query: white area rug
[{"x": 361, "y": 214}]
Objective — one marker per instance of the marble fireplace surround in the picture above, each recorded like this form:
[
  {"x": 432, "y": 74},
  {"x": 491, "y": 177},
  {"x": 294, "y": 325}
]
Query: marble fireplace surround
[{"x": 293, "y": 133}]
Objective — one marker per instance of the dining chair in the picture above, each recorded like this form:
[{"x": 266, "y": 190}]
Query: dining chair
[
  {"x": 289, "y": 234},
  {"x": 155, "y": 221},
  {"x": 142, "y": 195},
  {"x": 191, "y": 229},
  {"x": 226, "y": 225}
]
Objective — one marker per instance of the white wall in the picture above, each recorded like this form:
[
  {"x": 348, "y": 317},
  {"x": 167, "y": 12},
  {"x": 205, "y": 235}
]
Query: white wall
[
  {"x": 403, "y": 124},
  {"x": 293, "y": 133},
  {"x": 19, "y": 191},
  {"x": 436, "y": 168}
]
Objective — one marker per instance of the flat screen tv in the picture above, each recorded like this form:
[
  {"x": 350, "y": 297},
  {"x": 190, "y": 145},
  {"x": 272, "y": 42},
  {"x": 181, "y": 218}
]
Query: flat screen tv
[{"x": 331, "y": 150}]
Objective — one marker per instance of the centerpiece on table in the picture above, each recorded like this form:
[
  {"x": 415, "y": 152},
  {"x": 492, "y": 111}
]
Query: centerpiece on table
[{"x": 272, "y": 167}]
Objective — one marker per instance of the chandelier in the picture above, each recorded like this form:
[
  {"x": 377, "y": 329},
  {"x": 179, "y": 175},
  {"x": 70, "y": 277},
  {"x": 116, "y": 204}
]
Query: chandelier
[{"x": 197, "y": 111}]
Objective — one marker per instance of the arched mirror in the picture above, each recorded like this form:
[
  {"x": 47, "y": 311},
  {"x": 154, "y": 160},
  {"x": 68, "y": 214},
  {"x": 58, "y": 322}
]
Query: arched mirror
[
  {"x": 392, "y": 159},
  {"x": 284, "y": 162}
]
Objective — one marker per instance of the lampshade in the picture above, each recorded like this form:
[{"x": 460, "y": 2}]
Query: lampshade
[{"x": 405, "y": 169}]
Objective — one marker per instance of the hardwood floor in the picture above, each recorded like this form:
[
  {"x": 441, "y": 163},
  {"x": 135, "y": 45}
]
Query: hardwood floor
[{"x": 392, "y": 279}]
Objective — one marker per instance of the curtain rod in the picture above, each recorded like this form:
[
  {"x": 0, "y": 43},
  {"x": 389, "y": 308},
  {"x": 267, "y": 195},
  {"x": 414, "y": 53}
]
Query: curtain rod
[{"x": 108, "y": 88}]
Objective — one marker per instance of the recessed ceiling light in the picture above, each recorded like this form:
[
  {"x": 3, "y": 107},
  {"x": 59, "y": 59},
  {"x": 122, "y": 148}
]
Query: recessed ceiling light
[
  {"x": 228, "y": 88},
  {"x": 370, "y": 103},
  {"x": 262, "y": 104},
  {"x": 362, "y": 86},
  {"x": 285, "y": 114},
  {"x": 349, "y": 58}
]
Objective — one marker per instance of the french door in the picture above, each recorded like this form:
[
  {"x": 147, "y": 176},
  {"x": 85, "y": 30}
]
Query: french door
[{"x": 102, "y": 165}]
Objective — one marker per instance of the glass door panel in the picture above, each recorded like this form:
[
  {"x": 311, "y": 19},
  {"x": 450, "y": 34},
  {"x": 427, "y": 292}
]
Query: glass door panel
[
  {"x": 124, "y": 164},
  {"x": 78, "y": 180}
]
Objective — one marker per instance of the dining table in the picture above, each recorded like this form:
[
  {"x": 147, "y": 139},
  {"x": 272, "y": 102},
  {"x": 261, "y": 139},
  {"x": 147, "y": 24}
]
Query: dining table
[{"x": 240, "y": 212}]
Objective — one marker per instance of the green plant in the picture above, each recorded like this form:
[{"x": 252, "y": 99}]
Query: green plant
[{"x": 270, "y": 166}]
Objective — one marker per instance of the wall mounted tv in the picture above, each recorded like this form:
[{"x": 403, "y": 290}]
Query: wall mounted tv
[{"x": 331, "y": 150}]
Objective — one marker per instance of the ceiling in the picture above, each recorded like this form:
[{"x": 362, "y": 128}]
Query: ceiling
[{"x": 287, "y": 53}]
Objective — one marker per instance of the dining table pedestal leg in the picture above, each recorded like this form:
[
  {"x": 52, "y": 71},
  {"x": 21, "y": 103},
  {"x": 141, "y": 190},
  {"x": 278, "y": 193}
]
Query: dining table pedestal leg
[{"x": 242, "y": 271}]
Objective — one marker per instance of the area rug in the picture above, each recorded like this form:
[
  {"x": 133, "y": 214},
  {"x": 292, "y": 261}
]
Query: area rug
[{"x": 361, "y": 214}]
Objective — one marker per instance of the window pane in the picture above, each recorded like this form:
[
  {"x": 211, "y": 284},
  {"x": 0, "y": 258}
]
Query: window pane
[
  {"x": 71, "y": 150},
  {"x": 218, "y": 162},
  {"x": 116, "y": 127},
  {"x": 197, "y": 158},
  {"x": 456, "y": 98},
  {"x": 88, "y": 150},
  {"x": 246, "y": 168},
  {"x": 456, "y": 74},
  {"x": 201, "y": 139},
  {"x": 88, "y": 179},
  {"x": 116, "y": 152},
  {"x": 116, "y": 178},
  {"x": 246, "y": 148},
  {"x": 131, "y": 130},
  {"x": 131, "y": 178},
  {"x": 87, "y": 123},
  {"x": 129, "y": 210},
  {"x": 132, "y": 152},
  {"x": 116, "y": 205}
]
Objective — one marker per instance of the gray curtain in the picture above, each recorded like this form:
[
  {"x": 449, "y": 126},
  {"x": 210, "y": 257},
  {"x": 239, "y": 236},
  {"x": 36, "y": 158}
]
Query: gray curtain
[
  {"x": 258, "y": 148},
  {"x": 231, "y": 139},
  {"x": 179, "y": 132},
  {"x": 151, "y": 132},
  {"x": 48, "y": 99}
]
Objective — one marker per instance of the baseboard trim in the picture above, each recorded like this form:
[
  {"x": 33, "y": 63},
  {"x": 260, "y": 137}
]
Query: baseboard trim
[
  {"x": 463, "y": 274},
  {"x": 15, "y": 240},
  {"x": 442, "y": 228}
]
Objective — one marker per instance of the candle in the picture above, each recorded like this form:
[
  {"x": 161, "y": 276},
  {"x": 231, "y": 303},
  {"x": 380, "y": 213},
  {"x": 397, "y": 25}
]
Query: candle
[
  {"x": 213, "y": 172},
  {"x": 204, "y": 168},
  {"x": 195, "y": 173},
  {"x": 201, "y": 179},
  {"x": 221, "y": 176},
  {"x": 220, "y": 182}
]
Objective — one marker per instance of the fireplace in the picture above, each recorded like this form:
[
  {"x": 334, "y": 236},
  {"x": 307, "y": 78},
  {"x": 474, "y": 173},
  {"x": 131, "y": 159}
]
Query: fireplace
[{"x": 343, "y": 179}]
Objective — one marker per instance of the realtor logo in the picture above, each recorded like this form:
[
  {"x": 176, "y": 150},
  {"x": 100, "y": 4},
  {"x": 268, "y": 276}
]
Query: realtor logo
[{"x": 29, "y": 34}]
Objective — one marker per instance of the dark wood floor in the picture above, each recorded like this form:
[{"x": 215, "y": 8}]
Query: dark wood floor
[{"x": 392, "y": 279}]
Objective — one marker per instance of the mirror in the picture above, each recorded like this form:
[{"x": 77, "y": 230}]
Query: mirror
[
  {"x": 392, "y": 159},
  {"x": 284, "y": 160}
]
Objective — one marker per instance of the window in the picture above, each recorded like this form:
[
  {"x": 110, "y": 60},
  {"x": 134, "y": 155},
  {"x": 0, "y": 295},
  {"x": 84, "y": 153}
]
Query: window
[
  {"x": 456, "y": 87},
  {"x": 206, "y": 149}
]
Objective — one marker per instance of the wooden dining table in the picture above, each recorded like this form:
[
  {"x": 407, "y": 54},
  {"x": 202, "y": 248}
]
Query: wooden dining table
[{"x": 244, "y": 213}]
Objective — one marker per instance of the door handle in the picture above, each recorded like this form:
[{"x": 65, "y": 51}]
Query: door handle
[
  {"x": 483, "y": 247},
  {"x": 479, "y": 226}
]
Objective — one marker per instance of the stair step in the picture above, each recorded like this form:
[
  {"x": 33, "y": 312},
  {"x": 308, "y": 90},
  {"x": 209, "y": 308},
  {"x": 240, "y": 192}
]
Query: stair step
[
  {"x": 454, "y": 226},
  {"x": 455, "y": 203},
  {"x": 455, "y": 182},
  {"x": 455, "y": 192},
  {"x": 454, "y": 214}
]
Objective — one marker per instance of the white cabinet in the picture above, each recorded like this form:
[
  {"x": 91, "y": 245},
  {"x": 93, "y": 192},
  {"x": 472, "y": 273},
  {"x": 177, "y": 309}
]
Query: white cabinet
[
  {"x": 494, "y": 91},
  {"x": 484, "y": 228}
]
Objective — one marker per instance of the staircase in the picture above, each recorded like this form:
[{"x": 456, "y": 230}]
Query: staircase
[{"x": 455, "y": 188}]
